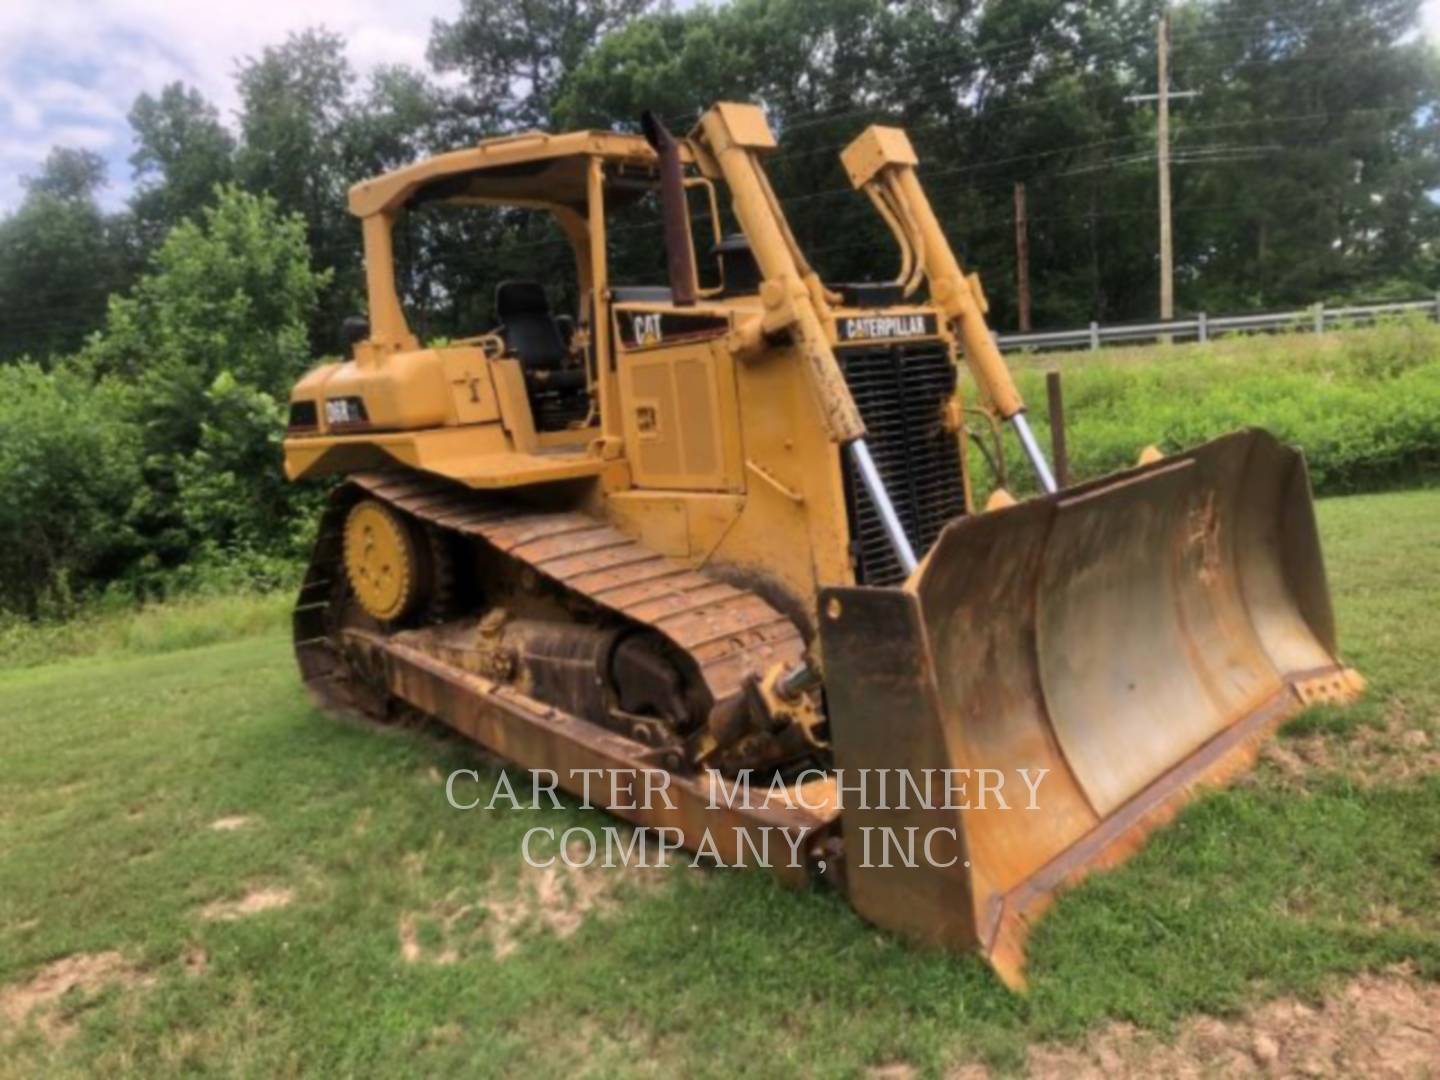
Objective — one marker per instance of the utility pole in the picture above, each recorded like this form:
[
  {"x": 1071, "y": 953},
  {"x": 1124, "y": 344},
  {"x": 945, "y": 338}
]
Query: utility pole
[
  {"x": 1162, "y": 97},
  {"x": 1162, "y": 138},
  {"x": 1022, "y": 257}
]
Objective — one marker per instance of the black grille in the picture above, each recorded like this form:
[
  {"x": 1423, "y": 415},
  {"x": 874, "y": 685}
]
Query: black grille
[{"x": 901, "y": 391}]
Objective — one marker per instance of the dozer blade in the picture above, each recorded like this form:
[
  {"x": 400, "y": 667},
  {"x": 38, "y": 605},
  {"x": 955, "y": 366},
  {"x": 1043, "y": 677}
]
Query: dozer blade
[{"x": 1133, "y": 637}]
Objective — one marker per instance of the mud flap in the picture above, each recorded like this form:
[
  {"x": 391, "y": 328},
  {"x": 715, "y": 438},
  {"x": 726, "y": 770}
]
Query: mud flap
[{"x": 1133, "y": 638}]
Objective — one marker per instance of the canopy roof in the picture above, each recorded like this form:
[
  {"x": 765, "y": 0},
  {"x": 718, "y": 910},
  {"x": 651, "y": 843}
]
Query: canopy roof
[{"x": 529, "y": 169}]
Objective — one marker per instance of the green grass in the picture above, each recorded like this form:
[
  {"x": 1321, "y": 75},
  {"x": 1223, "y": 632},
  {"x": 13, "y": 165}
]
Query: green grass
[
  {"x": 115, "y": 765},
  {"x": 1363, "y": 404},
  {"x": 159, "y": 628}
]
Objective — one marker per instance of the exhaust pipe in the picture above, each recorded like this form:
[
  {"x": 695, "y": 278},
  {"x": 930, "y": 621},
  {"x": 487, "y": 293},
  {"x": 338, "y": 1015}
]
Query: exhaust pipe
[{"x": 674, "y": 211}]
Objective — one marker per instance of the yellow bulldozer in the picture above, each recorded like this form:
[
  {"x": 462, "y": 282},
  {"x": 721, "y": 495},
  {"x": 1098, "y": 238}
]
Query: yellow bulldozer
[{"x": 720, "y": 527}]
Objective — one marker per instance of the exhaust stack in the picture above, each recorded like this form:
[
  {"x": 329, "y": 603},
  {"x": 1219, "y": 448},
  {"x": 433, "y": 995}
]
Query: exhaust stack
[{"x": 674, "y": 212}]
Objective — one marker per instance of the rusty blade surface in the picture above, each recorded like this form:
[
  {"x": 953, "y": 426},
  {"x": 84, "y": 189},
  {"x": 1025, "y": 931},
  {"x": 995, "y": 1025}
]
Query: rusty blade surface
[{"x": 1132, "y": 638}]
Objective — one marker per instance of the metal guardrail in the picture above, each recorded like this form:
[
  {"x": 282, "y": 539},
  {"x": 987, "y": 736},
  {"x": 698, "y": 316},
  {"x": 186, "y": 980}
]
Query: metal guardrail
[{"x": 1203, "y": 327}]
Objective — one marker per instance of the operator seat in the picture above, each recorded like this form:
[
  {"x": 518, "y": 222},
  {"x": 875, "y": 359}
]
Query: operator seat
[
  {"x": 557, "y": 393},
  {"x": 527, "y": 326}
]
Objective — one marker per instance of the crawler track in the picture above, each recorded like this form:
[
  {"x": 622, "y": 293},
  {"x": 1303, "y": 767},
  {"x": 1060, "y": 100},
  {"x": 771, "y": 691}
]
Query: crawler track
[{"x": 729, "y": 632}]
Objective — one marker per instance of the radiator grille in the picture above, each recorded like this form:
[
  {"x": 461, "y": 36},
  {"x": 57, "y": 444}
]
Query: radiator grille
[{"x": 901, "y": 391}]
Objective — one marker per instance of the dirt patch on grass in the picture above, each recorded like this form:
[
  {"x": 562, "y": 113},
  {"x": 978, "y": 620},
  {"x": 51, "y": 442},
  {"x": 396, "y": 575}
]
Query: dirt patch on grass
[
  {"x": 555, "y": 899},
  {"x": 72, "y": 979},
  {"x": 196, "y": 961},
  {"x": 230, "y": 824},
  {"x": 251, "y": 903},
  {"x": 1396, "y": 751},
  {"x": 1377, "y": 1025}
]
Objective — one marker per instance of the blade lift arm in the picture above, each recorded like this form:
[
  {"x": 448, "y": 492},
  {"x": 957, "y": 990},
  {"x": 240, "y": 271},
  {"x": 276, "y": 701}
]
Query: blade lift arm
[
  {"x": 729, "y": 141},
  {"x": 881, "y": 163}
]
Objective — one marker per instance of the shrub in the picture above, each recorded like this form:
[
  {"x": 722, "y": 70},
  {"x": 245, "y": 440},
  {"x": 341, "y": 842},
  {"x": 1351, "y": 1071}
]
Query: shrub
[
  {"x": 69, "y": 471},
  {"x": 158, "y": 447}
]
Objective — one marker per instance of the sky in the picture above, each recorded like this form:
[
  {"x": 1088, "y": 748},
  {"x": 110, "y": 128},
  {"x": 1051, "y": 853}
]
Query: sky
[{"x": 70, "y": 69}]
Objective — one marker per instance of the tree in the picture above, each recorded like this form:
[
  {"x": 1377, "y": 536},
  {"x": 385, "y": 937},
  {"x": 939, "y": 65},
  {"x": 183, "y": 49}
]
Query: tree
[
  {"x": 296, "y": 111},
  {"x": 182, "y": 152},
  {"x": 294, "y": 104},
  {"x": 59, "y": 258},
  {"x": 1329, "y": 105},
  {"x": 71, "y": 176},
  {"x": 399, "y": 118},
  {"x": 212, "y": 339},
  {"x": 516, "y": 54}
]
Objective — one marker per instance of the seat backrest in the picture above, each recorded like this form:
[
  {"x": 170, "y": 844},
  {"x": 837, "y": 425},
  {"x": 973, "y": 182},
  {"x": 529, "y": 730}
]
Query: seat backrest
[{"x": 527, "y": 325}]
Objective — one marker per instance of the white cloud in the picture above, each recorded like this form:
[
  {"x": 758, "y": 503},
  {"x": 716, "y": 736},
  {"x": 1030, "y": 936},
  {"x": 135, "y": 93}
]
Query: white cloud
[
  {"x": 83, "y": 136},
  {"x": 22, "y": 150},
  {"x": 70, "y": 69},
  {"x": 68, "y": 96}
]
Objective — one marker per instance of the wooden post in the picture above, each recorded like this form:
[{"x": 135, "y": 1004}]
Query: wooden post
[
  {"x": 1022, "y": 257},
  {"x": 1059, "y": 455}
]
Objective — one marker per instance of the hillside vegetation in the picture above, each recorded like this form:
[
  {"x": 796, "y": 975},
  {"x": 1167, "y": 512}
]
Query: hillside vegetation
[{"x": 1363, "y": 404}]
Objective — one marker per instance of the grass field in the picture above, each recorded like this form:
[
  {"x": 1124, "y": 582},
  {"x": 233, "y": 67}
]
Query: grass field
[{"x": 197, "y": 872}]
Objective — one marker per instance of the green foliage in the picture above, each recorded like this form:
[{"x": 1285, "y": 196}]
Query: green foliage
[
  {"x": 515, "y": 54},
  {"x": 159, "y": 444},
  {"x": 59, "y": 259},
  {"x": 231, "y": 491},
  {"x": 295, "y": 100},
  {"x": 212, "y": 339},
  {"x": 182, "y": 152},
  {"x": 69, "y": 472},
  {"x": 1364, "y": 405},
  {"x": 231, "y": 290}
]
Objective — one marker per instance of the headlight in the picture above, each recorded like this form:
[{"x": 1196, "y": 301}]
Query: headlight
[{"x": 342, "y": 411}]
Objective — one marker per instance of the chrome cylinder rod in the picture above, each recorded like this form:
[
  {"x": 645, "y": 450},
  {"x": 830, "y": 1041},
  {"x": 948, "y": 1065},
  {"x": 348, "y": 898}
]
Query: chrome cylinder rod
[
  {"x": 1034, "y": 453},
  {"x": 870, "y": 476}
]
